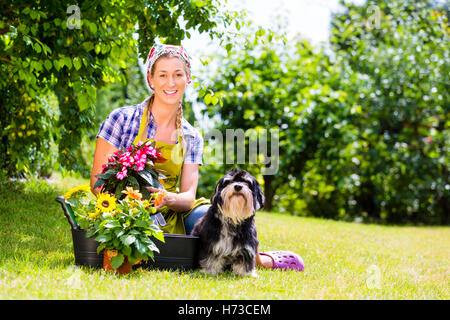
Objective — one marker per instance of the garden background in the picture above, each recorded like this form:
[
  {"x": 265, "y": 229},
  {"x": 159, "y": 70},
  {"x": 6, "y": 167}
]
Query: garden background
[{"x": 363, "y": 118}]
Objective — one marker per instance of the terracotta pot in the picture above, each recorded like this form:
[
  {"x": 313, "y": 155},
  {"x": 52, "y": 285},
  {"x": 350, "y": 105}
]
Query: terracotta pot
[{"x": 124, "y": 268}]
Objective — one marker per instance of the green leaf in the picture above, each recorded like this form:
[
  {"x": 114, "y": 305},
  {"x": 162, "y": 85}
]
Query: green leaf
[
  {"x": 153, "y": 247},
  {"x": 37, "y": 48},
  {"x": 88, "y": 46},
  {"x": 129, "y": 239},
  {"x": 68, "y": 62},
  {"x": 99, "y": 183},
  {"x": 83, "y": 101},
  {"x": 142, "y": 224},
  {"x": 48, "y": 65},
  {"x": 56, "y": 64},
  {"x": 112, "y": 224},
  {"x": 103, "y": 238},
  {"x": 77, "y": 63},
  {"x": 140, "y": 247},
  {"x": 117, "y": 261},
  {"x": 134, "y": 183},
  {"x": 146, "y": 176},
  {"x": 126, "y": 251},
  {"x": 120, "y": 187},
  {"x": 228, "y": 47},
  {"x": 159, "y": 236},
  {"x": 207, "y": 99}
]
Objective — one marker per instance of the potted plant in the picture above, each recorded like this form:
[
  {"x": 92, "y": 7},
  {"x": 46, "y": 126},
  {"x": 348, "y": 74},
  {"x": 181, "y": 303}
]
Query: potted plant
[
  {"x": 132, "y": 166},
  {"x": 123, "y": 227}
]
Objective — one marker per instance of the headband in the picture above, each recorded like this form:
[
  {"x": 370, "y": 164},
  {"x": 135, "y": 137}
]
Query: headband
[{"x": 159, "y": 49}]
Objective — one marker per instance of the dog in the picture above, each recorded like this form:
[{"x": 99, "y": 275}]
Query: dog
[{"x": 227, "y": 231}]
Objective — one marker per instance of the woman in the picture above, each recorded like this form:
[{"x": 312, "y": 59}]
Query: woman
[{"x": 160, "y": 118}]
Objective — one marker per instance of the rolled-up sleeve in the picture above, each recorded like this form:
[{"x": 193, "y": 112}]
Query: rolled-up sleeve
[
  {"x": 194, "y": 149},
  {"x": 112, "y": 128}
]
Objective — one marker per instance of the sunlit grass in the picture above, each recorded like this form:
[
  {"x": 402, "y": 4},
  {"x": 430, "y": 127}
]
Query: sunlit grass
[{"x": 343, "y": 260}]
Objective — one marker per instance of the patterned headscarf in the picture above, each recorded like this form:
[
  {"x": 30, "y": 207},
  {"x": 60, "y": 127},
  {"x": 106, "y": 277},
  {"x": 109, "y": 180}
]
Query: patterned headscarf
[{"x": 159, "y": 49}]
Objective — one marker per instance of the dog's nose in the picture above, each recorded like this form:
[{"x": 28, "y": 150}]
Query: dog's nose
[{"x": 237, "y": 187}]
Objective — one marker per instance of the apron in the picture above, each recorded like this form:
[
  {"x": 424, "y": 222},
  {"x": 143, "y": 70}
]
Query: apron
[{"x": 174, "y": 153}]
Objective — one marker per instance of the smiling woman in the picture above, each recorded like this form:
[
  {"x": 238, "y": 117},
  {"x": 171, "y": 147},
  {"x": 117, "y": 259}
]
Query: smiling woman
[{"x": 160, "y": 119}]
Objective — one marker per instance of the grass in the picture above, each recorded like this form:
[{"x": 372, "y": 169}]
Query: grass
[{"x": 343, "y": 260}]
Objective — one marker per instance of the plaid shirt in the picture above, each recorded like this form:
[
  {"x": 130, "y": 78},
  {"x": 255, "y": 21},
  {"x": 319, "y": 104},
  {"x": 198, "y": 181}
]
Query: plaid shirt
[{"x": 122, "y": 126}]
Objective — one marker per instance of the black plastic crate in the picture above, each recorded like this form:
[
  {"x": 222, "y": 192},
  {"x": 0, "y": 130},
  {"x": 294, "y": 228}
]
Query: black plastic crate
[{"x": 177, "y": 252}]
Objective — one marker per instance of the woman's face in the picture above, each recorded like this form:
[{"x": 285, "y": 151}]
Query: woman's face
[{"x": 169, "y": 80}]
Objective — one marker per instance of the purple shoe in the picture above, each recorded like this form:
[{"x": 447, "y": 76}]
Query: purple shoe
[{"x": 285, "y": 260}]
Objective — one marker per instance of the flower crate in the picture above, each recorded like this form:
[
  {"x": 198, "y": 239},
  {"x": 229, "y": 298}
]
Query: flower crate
[{"x": 177, "y": 252}]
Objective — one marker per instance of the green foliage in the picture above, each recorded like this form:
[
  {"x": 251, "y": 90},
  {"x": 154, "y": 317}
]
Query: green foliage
[
  {"x": 362, "y": 134},
  {"x": 399, "y": 52},
  {"x": 286, "y": 86},
  {"x": 51, "y": 48}
]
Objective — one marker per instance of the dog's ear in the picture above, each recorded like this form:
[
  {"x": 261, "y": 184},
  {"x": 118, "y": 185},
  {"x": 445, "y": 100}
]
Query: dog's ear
[
  {"x": 258, "y": 194},
  {"x": 216, "y": 198}
]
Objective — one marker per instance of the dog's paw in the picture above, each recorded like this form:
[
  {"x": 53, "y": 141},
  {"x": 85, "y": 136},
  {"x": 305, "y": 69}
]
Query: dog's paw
[
  {"x": 253, "y": 274},
  {"x": 209, "y": 272}
]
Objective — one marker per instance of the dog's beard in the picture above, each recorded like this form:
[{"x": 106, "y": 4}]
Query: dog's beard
[{"x": 237, "y": 205}]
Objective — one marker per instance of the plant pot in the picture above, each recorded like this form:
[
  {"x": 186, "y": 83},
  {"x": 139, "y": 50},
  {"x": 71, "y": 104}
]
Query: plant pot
[
  {"x": 124, "y": 268},
  {"x": 85, "y": 250}
]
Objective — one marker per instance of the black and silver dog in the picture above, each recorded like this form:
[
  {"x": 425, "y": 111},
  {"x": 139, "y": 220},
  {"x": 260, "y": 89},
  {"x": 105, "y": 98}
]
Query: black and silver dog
[{"x": 227, "y": 231}]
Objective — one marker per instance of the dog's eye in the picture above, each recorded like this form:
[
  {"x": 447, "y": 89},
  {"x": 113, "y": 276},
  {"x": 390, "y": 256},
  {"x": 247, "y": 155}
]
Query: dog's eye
[{"x": 226, "y": 182}]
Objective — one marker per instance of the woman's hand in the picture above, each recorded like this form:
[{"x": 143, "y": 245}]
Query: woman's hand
[{"x": 161, "y": 199}]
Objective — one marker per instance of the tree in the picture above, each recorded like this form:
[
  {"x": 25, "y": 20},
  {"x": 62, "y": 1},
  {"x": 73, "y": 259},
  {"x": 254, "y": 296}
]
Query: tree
[
  {"x": 269, "y": 83},
  {"x": 400, "y": 51},
  {"x": 54, "y": 56}
]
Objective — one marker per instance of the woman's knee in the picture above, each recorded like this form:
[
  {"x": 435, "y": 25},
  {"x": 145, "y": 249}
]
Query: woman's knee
[{"x": 193, "y": 217}]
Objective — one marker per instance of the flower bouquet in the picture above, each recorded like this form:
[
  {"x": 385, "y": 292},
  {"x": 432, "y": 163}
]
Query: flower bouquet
[
  {"x": 134, "y": 167},
  {"x": 122, "y": 227}
]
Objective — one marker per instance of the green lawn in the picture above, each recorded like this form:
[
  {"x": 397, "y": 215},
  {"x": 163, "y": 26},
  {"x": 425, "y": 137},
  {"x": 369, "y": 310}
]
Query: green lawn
[{"x": 343, "y": 260}]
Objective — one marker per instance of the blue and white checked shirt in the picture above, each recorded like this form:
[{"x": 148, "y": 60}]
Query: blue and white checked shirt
[{"x": 122, "y": 126}]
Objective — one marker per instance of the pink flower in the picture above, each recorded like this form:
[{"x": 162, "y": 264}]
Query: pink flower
[
  {"x": 150, "y": 151},
  {"x": 140, "y": 158},
  {"x": 122, "y": 174},
  {"x": 140, "y": 166},
  {"x": 429, "y": 139},
  {"x": 126, "y": 159}
]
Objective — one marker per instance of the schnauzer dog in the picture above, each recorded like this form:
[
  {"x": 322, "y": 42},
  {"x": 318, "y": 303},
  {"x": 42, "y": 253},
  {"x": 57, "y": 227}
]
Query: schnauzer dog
[{"x": 227, "y": 231}]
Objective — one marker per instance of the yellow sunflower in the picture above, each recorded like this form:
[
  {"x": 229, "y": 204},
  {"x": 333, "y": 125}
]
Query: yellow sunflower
[
  {"x": 94, "y": 214},
  {"x": 83, "y": 188},
  {"x": 106, "y": 202}
]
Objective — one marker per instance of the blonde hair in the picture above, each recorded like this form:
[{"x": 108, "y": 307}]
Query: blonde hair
[{"x": 179, "y": 116}]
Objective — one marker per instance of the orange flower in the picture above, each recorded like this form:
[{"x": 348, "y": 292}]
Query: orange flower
[
  {"x": 133, "y": 194},
  {"x": 159, "y": 198}
]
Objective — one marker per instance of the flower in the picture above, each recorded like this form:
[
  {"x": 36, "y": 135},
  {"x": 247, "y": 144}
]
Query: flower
[
  {"x": 73, "y": 191},
  {"x": 106, "y": 202},
  {"x": 94, "y": 214},
  {"x": 134, "y": 194},
  {"x": 159, "y": 198},
  {"x": 122, "y": 174},
  {"x": 126, "y": 159},
  {"x": 131, "y": 166}
]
